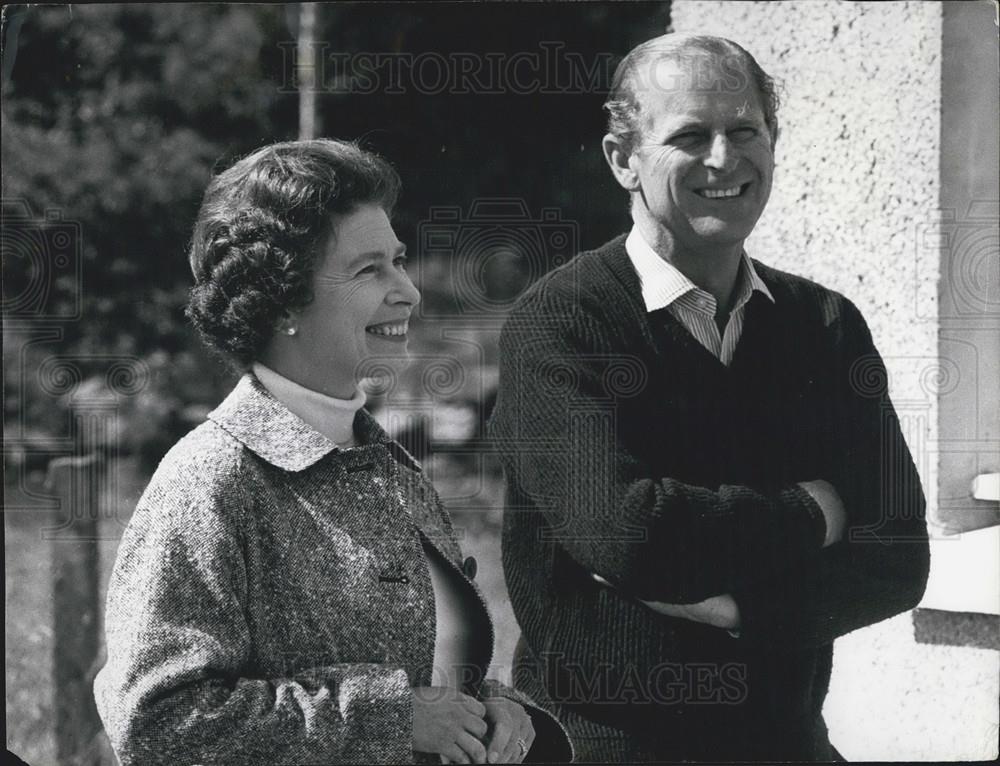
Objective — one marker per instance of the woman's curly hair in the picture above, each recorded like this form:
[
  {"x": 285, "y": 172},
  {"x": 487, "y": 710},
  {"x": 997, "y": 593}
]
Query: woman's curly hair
[{"x": 261, "y": 229}]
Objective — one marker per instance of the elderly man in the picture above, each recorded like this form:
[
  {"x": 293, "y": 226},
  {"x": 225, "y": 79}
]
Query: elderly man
[{"x": 707, "y": 483}]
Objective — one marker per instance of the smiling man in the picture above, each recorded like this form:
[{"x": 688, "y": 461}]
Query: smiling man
[{"x": 704, "y": 489}]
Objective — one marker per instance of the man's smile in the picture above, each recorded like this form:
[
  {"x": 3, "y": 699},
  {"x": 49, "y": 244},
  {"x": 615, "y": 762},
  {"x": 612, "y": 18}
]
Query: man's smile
[{"x": 727, "y": 193}]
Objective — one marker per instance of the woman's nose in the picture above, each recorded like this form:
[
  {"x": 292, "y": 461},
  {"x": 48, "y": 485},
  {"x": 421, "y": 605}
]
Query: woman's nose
[{"x": 405, "y": 291}]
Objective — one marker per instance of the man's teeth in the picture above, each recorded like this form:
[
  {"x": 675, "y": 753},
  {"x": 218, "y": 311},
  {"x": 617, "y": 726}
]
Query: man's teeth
[
  {"x": 719, "y": 193},
  {"x": 389, "y": 329}
]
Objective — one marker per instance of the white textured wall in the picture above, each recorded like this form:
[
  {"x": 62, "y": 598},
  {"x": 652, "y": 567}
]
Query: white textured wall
[
  {"x": 857, "y": 175},
  {"x": 856, "y": 184}
]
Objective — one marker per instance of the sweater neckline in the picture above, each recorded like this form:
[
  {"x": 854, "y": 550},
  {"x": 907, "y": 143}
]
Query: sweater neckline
[{"x": 626, "y": 290}]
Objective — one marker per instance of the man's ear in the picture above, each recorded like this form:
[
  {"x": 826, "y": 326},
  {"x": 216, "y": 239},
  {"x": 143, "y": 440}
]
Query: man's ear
[{"x": 618, "y": 158}]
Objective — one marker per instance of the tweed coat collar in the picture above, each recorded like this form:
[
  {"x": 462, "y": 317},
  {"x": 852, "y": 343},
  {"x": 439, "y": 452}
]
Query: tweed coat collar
[{"x": 252, "y": 416}]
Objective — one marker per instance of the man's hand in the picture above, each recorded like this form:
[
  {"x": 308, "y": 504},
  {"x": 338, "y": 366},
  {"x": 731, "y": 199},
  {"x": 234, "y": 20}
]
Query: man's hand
[
  {"x": 722, "y": 611},
  {"x": 829, "y": 501},
  {"x": 510, "y": 731},
  {"x": 718, "y": 611},
  {"x": 449, "y": 723}
]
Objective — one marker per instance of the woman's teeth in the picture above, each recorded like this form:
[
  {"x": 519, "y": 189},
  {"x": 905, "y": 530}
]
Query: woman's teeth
[{"x": 388, "y": 329}]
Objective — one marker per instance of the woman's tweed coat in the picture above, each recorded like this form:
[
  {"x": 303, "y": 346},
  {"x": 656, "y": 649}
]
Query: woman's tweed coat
[{"x": 271, "y": 601}]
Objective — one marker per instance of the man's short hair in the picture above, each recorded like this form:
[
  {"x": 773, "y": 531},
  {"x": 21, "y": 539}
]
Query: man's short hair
[{"x": 624, "y": 105}]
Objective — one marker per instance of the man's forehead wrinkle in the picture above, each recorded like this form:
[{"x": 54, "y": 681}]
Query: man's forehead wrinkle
[
  {"x": 667, "y": 76},
  {"x": 704, "y": 73},
  {"x": 670, "y": 114}
]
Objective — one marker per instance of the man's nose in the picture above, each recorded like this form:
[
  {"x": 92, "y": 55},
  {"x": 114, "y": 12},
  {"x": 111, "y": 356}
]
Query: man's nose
[{"x": 721, "y": 154}]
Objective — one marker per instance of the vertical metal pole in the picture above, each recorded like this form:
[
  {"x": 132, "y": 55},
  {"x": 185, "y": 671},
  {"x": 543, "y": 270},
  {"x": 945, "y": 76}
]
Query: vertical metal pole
[{"x": 306, "y": 74}]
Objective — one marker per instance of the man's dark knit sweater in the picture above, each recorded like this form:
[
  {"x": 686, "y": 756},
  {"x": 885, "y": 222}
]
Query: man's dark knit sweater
[{"x": 631, "y": 452}]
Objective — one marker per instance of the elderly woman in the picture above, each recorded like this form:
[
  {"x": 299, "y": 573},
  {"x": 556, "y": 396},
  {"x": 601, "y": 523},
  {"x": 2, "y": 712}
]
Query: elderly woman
[{"x": 289, "y": 589}]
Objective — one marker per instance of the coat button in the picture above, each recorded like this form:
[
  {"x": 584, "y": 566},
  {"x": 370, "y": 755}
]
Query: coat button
[{"x": 470, "y": 568}]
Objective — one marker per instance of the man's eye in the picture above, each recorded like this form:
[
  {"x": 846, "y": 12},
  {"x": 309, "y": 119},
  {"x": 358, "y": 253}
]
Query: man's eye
[
  {"x": 369, "y": 269},
  {"x": 400, "y": 262},
  {"x": 687, "y": 137},
  {"x": 742, "y": 134}
]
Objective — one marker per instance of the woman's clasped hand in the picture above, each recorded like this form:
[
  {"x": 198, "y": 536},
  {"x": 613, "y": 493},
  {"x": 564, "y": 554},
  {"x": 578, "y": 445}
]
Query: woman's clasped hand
[{"x": 464, "y": 730}]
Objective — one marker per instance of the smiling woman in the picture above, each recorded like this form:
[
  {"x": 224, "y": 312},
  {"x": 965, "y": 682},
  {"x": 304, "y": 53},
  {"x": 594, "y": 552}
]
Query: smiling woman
[
  {"x": 289, "y": 589},
  {"x": 362, "y": 299}
]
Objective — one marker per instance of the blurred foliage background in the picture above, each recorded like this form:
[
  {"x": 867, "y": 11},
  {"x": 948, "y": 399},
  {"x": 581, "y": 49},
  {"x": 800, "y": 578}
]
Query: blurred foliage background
[{"x": 114, "y": 118}]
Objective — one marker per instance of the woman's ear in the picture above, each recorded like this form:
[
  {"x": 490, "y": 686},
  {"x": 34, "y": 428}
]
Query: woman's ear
[
  {"x": 619, "y": 159},
  {"x": 288, "y": 324}
]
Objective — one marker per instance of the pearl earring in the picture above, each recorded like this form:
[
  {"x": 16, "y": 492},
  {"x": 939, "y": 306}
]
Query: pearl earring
[{"x": 291, "y": 331}]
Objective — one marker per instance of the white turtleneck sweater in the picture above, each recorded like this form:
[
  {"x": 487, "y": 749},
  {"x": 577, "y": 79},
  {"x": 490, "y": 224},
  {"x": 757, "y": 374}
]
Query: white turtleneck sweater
[{"x": 455, "y": 640}]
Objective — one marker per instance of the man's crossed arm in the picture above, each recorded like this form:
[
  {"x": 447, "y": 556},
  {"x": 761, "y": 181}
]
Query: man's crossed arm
[
  {"x": 722, "y": 611},
  {"x": 704, "y": 551}
]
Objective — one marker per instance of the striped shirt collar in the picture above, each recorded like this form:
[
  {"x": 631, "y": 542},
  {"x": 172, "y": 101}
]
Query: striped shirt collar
[{"x": 663, "y": 283}]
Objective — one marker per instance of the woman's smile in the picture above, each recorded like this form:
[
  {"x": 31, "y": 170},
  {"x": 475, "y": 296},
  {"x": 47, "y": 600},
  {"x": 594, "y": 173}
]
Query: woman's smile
[{"x": 392, "y": 331}]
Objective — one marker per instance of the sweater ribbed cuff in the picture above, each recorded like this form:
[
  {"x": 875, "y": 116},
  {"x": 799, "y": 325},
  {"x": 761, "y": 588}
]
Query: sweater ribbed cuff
[{"x": 794, "y": 495}]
